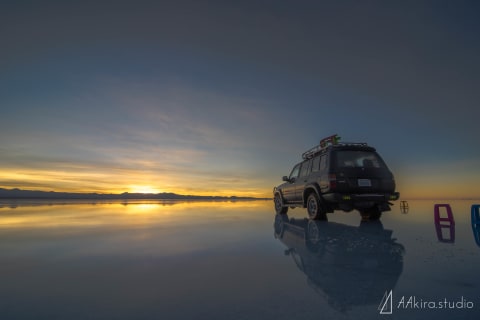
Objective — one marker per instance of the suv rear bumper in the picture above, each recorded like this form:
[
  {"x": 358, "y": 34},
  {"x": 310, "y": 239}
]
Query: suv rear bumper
[{"x": 360, "y": 199}]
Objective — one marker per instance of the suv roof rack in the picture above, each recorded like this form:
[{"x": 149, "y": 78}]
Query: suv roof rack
[{"x": 332, "y": 140}]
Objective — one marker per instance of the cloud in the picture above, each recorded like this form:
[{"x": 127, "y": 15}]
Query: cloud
[{"x": 175, "y": 94}]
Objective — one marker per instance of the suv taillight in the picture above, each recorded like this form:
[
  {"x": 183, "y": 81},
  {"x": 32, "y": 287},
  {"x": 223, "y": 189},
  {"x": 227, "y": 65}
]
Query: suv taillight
[{"x": 332, "y": 178}]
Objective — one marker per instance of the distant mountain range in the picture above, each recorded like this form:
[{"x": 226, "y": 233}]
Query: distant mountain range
[{"x": 37, "y": 194}]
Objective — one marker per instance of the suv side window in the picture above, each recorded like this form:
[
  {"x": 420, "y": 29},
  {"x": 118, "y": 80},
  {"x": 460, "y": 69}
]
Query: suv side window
[
  {"x": 315, "y": 163},
  {"x": 295, "y": 172},
  {"x": 323, "y": 162},
  {"x": 305, "y": 168}
]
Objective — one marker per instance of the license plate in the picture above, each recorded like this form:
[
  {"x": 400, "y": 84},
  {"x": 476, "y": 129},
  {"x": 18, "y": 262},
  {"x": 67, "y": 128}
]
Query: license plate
[{"x": 364, "y": 183}]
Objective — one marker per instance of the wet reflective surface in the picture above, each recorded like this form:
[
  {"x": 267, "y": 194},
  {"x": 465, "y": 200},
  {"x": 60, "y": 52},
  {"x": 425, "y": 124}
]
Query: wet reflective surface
[
  {"x": 348, "y": 265},
  {"x": 234, "y": 260}
]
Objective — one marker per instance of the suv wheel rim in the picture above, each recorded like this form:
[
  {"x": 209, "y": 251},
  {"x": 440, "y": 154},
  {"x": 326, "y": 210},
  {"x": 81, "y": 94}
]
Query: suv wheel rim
[{"x": 278, "y": 204}]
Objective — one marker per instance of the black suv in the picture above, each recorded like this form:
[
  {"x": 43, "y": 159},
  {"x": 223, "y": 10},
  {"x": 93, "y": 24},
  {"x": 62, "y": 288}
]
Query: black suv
[{"x": 338, "y": 176}]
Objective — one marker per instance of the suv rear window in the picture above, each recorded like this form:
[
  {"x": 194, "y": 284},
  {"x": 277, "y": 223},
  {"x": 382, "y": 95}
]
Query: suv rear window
[{"x": 358, "y": 159}]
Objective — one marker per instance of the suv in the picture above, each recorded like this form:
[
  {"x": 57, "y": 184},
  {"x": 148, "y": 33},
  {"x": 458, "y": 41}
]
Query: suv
[{"x": 338, "y": 176}]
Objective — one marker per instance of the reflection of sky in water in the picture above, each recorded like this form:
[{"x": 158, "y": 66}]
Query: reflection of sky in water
[{"x": 220, "y": 260}]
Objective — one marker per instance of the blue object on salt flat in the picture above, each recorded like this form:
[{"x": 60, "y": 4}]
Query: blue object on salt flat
[{"x": 476, "y": 223}]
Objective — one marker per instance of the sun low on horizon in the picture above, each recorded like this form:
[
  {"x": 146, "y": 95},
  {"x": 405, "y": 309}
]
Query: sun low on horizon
[{"x": 144, "y": 189}]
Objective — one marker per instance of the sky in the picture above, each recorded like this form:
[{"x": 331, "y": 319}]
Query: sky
[{"x": 222, "y": 97}]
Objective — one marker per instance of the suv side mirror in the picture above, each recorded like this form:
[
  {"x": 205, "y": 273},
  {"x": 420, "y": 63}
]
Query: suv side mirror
[{"x": 285, "y": 178}]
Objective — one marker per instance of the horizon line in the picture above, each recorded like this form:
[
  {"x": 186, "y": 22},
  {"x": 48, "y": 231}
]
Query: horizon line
[{"x": 26, "y": 194}]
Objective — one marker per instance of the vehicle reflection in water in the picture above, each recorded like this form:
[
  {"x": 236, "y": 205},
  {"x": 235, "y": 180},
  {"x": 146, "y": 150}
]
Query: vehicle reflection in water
[
  {"x": 404, "y": 207},
  {"x": 350, "y": 266},
  {"x": 445, "y": 231},
  {"x": 444, "y": 224},
  {"x": 476, "y": 223}
]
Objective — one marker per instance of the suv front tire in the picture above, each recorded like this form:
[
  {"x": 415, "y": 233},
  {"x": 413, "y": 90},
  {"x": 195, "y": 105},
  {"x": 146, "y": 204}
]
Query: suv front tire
[{"x": 279, "y": 208}]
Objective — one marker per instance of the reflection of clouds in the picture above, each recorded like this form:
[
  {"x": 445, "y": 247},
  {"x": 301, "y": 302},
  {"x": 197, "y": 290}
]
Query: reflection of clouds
[{"x": 67, "y": 214}]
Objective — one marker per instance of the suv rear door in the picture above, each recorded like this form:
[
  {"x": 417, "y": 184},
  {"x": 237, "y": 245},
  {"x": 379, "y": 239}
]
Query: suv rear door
[{"x": 361, "y": 171}]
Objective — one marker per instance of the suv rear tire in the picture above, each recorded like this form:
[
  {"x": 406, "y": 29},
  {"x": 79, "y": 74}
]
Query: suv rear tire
[
  {"x": 315, "y": 208},
  {"x": 279, "y": 208}
]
